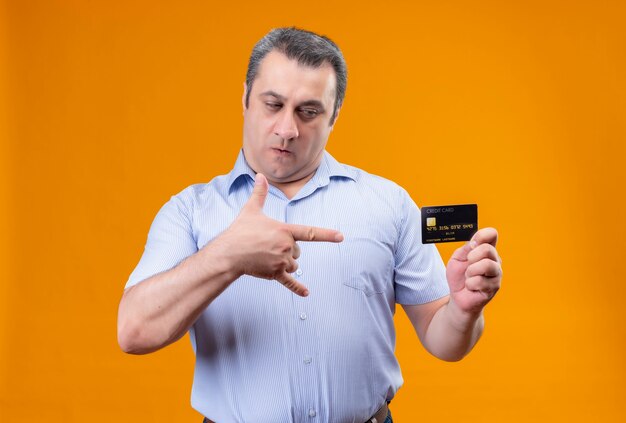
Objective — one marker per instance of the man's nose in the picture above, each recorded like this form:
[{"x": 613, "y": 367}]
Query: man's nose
[{"x": 286, "y": 126}]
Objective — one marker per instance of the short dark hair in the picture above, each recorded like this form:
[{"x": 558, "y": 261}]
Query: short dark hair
[{"x": 307, "y": 48}]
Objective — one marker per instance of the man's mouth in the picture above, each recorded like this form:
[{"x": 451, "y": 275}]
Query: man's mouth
[{"x": 281, "y": 151}]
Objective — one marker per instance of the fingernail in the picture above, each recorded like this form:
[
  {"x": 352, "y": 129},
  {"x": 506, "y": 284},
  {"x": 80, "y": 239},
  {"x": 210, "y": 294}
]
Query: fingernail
[
  {"x": 257, "y": 180},
  {"x": 472, "y": 244},
  {"x": 305, "y": 293},
  {"x": 339, "y": 237}
]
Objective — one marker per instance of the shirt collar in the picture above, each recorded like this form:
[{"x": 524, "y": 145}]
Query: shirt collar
[
  {"x": 328, "y": 168},
  {"x": 240, "y": 169}
]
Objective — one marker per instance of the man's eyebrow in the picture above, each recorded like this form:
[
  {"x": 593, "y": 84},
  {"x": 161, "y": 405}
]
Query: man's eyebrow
[{"x": 272, "y": 94}]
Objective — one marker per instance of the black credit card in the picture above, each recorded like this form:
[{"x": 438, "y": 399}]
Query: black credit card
[{"x": 449, "y": 223}]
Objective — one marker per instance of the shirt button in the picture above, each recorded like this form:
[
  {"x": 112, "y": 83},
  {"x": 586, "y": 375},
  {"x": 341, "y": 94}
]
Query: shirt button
[
  {"x": 307, "y": 360},
  {"x": 312, "y": 412},
  {"x": 299, "y": 272},
  {"x": 302, "y": 316}
]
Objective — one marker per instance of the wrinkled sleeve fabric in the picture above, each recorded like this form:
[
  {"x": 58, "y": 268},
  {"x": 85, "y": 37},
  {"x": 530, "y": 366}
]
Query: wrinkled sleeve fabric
[
  {"x": 420, "y": 275},
  {"x": 170, "y": 240}
]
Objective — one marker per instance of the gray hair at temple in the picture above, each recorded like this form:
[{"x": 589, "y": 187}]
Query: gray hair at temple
[{"x": 308, "y": 49}]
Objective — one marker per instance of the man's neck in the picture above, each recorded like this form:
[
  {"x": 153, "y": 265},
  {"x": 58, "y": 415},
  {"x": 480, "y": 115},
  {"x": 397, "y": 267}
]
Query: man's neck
[{"x": 290, "y": 189}]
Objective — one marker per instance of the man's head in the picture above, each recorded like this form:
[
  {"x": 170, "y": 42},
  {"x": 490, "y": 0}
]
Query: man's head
[
  {"x": 291, "y": 101},
  {"x": 308, "y": 49}
]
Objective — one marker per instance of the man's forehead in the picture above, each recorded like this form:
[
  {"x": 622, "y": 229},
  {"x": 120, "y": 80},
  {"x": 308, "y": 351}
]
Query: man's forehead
[{"x": 277, "y": 71}]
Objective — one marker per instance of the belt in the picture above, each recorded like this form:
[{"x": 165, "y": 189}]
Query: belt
[{"x": 378, "y": 417}]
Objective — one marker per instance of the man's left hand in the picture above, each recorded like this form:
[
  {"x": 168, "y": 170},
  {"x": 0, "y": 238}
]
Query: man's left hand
[{"x": 474, "y": 272}]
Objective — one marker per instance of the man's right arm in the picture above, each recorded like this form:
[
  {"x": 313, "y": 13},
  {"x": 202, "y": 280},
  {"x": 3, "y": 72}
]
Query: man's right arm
[{"x": 162, "y": 308}]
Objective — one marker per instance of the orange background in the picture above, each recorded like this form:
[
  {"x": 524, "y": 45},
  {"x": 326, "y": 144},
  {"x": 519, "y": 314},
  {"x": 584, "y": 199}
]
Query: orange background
[{"x": 107, "y": 108}]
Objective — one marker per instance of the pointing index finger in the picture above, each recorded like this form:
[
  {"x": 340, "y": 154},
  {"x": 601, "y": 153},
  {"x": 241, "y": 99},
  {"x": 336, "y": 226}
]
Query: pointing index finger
[{"x": 313, "y": 233}]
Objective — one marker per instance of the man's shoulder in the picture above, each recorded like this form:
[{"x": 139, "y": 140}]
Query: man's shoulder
[
  {"x": 371, "y": 180},
  {"x": 198, "y": 194}
]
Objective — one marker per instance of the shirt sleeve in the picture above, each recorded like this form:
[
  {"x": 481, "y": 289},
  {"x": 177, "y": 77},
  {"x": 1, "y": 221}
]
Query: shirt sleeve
[
  {"x": 170, "y": 239},
  {"x": 420, "y": 275}
]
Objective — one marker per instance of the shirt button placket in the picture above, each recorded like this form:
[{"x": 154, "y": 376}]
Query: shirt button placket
[
  {"x": 302, "y": 314},
  {"x": 306, "y": 367}
]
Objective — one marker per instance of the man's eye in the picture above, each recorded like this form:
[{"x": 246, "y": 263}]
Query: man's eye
[
  {"x": 309, "y": 113},
  {"x": 273, "y": 106}
]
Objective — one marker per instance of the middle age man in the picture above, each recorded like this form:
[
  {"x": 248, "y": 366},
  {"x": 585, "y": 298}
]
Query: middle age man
[{"x": 326, "y": 354}]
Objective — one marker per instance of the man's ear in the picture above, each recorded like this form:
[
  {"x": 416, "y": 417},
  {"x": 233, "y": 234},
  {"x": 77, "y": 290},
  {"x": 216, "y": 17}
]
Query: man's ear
[
  {"x": 243, "y": 97},
  {"x": 332, "y": 126}
]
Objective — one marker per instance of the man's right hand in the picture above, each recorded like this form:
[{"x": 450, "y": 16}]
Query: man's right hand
[{"x": 267, "y": 248}]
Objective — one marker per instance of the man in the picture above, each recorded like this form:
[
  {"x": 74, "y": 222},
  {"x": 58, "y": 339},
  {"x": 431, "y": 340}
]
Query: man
[{"x": 321, "y": 350}]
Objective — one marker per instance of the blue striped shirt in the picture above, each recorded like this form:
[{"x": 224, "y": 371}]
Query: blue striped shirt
[{"x": 264, "y": 354}]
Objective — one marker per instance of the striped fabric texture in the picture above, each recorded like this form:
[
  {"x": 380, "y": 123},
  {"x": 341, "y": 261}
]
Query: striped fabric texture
[{"x": 264, "y": 354}]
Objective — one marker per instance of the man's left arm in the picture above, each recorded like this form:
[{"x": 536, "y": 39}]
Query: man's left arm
[{"x": 450, "y": 326}]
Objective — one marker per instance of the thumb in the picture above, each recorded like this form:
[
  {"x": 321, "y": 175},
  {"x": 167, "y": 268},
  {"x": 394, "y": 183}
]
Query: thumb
[{"x": 259, "y": 192}]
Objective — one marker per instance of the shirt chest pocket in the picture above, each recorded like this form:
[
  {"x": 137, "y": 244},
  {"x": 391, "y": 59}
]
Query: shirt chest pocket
[{"x": 366, "y": 259}]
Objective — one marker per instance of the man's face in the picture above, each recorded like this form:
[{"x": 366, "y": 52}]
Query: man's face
[{"x": 286, "y": 123}]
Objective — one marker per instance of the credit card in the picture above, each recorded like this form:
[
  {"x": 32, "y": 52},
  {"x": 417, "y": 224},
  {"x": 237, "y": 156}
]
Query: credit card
[{"x": 449, "y": 223}]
